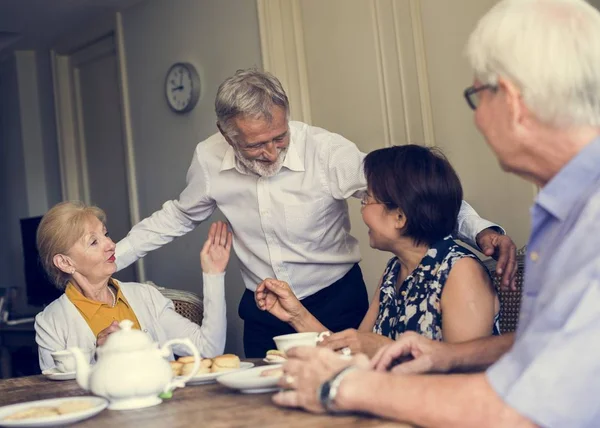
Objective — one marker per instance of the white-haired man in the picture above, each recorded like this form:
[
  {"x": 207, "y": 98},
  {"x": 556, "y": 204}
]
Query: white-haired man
[
  {"x": 536, "y": 98},
  {"x": 283, "y": 187}
]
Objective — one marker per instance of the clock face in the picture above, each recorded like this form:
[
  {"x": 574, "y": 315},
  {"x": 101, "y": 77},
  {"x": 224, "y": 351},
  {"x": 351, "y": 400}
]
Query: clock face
[{"x": 182, "y": 87}]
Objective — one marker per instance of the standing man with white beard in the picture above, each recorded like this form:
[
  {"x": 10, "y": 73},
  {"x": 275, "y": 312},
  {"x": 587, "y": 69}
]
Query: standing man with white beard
[{"x": 283, "y": 187}]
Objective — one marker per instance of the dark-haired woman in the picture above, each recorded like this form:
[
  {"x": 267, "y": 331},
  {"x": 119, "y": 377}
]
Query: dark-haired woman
[{"x": 432, "y": 285}]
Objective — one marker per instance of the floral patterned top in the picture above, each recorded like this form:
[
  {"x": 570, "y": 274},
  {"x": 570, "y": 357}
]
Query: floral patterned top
[{"x": 418, "y": 305}]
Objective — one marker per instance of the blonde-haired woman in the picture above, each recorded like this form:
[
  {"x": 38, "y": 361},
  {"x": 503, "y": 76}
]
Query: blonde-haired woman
[{"x": 79, "y": 257}]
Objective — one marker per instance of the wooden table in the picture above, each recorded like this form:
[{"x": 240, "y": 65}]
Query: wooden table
[{"x": 210, "y": 405}]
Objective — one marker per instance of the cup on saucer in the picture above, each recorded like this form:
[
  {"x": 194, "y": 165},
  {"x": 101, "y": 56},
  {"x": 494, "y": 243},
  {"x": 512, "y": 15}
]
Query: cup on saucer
[
  {"x": 64, "y": 361},
  {"x": 288, "y": 341}
]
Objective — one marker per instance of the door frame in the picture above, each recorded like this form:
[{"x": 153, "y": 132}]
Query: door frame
[{"x": 71, "y": 147}]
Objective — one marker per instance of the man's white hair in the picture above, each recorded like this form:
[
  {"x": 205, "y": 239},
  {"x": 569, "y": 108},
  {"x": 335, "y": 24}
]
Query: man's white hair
[{"x": 550, "y": 49}]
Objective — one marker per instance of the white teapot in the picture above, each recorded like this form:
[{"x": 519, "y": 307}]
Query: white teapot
[{"x": 131, "y": 371}]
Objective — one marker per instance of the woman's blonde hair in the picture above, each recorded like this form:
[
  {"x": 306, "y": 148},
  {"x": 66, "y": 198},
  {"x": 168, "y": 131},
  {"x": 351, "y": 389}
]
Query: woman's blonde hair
[{"x": 58, "y": 231}]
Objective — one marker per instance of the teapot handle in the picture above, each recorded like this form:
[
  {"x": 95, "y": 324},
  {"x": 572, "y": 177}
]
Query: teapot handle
[{"x": 180, "y": 383}]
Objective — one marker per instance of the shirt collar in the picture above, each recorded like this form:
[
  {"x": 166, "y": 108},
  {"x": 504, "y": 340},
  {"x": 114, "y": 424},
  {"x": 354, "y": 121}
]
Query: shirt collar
[
  {"x": 572, "y": 182},
  {"x": 90, "y": 307},
  {"x": 292, "y": 160}
]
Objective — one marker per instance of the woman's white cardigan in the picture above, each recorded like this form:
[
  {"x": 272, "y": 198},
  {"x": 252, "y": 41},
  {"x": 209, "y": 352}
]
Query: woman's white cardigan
[{"x": 61, "y": 326}]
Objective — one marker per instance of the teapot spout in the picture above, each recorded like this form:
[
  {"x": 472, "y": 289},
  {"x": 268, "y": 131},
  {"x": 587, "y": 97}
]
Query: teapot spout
[{"x": 83, "y": 368}]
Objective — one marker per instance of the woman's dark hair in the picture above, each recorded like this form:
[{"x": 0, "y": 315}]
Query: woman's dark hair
[{"x": 422, "y": 183}]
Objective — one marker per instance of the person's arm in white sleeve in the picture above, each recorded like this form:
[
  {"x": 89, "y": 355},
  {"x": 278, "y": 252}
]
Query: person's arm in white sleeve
[
  {"x": 176, "y": 218},
  {"x": 47, "y": 339},
  {"x": 342, "y": 164},
  {"x": 469, "y": 224},
  {"x": 210, "y": 337}
]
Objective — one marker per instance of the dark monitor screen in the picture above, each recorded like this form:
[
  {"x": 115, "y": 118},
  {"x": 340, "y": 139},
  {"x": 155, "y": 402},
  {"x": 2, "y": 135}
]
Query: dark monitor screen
[{"x": 40, "y": 291}]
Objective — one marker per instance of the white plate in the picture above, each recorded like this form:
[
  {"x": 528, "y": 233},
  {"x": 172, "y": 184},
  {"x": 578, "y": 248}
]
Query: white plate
[
  {"x": 211, "y": 377},
  {"x": 251, "y": 381},
  {"x": 54, "y": 374},
  {"x": 273, "y": 362},
  {"x": 60, "y": 420}
]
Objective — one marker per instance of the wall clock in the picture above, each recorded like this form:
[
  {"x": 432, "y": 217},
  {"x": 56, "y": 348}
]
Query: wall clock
[{"x": 182, "y": 87}]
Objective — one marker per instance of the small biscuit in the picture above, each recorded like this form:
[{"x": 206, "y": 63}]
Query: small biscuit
[
  {"x": 202, "y": 370},
  {"x": 206, "y": 363},
  {"x": 185, "y": 360},
  {"x": 272, "y": 372},
  {"x": 176, "y": 367},
  {"x": 74, "y": 406},
  {"x": 32, "y": 412}
]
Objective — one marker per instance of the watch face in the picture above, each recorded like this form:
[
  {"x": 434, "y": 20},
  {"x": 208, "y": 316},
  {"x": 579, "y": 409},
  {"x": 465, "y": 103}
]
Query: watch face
[{"x": 181, "y": 87}]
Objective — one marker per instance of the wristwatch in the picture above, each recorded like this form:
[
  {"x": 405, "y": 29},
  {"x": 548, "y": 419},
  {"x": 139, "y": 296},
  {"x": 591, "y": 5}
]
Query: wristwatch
[{"x": 329, "y": 389}]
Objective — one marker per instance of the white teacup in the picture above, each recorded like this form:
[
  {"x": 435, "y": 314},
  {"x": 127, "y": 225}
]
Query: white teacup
[
  {"x": 288, "y": 341},
  {"x": 64, "y": 361}
]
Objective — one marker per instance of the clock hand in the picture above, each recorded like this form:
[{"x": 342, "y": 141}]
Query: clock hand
[{"x": 177, "y": 88}]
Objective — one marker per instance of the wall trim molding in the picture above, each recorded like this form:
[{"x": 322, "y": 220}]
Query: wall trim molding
[
  {"x": 66, "y": 125},
  {"x": 132, "y": 187},
  {"x": 282, "y": 48},
  {"x": 383, "y": 78},
  {"x": 408, "y": 131},
  {"x": 422, "y": 76}
]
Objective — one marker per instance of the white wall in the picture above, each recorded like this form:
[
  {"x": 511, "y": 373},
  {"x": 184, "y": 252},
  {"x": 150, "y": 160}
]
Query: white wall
[{"x": 218, "y": 37}]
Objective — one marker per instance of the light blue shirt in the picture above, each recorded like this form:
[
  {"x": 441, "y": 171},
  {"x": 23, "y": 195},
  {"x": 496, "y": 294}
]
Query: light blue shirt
[{"x": 552, "y": 373}]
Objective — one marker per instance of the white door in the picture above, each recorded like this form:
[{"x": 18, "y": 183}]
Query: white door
[{"x": 99, "y": 127}]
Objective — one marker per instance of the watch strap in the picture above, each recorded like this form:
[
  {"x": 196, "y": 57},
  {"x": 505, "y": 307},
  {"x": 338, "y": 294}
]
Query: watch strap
[{"x": 329, "y": 389}]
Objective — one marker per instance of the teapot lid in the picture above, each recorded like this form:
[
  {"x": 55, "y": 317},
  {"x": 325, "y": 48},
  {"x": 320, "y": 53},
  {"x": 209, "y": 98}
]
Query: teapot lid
[{"x": 127, "y": 339}]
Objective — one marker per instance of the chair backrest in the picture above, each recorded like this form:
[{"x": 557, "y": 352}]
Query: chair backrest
[
  {"x": 187, "y": 304},
  {"x": 510, "y": 301}
]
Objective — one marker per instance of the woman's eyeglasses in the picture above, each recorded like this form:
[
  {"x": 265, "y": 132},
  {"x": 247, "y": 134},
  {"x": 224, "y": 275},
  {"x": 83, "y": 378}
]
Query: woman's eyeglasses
[{"x": 364, "y": 201}]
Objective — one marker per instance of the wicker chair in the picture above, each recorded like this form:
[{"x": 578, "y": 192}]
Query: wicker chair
[
  {"x": 187, "y": 304},
  {"x": 510, "y": 301}
]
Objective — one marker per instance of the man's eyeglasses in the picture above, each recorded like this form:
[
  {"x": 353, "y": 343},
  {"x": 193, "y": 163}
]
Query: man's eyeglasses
[{"x": 472, "y": 97}]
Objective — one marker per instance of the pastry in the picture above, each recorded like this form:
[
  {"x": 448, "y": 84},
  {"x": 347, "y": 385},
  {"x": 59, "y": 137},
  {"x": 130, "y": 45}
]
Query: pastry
[
  {"x": 176, "y": 367},
  {"x": 224, "y": 363},
  {"x": 188, "y": 366},
  {"x": 275, "y": 356},
  {"x": 278, "y": 372}
]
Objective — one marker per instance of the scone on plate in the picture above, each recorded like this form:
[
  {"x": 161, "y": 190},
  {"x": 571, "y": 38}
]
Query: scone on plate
[
  {"x": 276, "y": 356},
  {"x": 225, "y": 363},
  {"x": 176, "y": 367},
  {"x": 277, "y": 372},
  {"x": 32, "y": 412},
  {"x": 185, "y": 360},
  {"x": 188, "y": 366}
]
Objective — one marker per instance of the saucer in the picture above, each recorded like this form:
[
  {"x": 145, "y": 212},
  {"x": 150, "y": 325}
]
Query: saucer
[
  {"x": 273, "y": 362},
  {"x": 54, "y": 374},
  {"x": 250, "y": 381}
]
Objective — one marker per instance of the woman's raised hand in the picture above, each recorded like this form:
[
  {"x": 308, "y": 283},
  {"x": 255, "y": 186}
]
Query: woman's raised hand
[{"x": 217, "y": 248}]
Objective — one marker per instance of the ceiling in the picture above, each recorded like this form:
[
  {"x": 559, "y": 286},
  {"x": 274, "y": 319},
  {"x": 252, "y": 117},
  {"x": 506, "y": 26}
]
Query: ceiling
[{"x": 35, "y": 24}]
